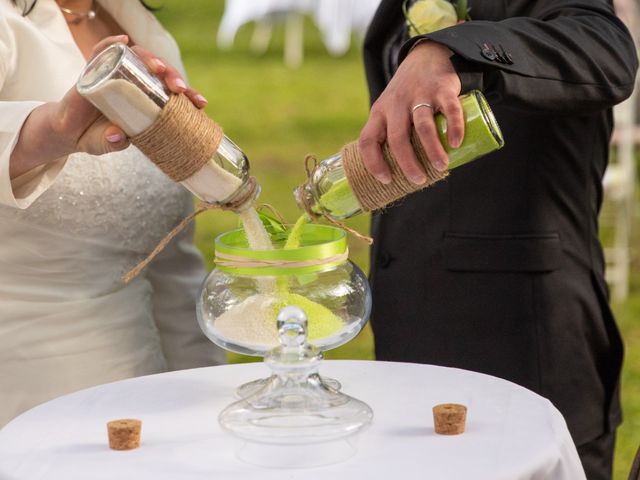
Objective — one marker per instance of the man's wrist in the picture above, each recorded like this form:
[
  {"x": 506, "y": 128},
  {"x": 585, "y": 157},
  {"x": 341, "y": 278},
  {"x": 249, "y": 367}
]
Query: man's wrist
[
  {"x": 429, "y": 45},
  {"x": 471, "y": 76}
]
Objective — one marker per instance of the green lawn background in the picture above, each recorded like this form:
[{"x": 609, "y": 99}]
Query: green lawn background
[{"x": 278, "y": 115}]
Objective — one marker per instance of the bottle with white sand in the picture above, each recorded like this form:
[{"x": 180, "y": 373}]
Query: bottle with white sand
[{"x": 120, "y": 85}]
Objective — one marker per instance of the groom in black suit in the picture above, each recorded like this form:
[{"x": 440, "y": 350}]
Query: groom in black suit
[{"x": 498, "y": 269}]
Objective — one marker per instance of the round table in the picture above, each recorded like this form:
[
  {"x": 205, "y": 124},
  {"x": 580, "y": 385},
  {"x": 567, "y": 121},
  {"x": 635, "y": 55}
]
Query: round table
[{"x": 512, "y": 433}]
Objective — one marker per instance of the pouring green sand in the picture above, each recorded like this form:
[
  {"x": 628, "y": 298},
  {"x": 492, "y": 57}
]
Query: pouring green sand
[
  {"x": 322, "y": 322},
  {"x": 295, "y": 234}
]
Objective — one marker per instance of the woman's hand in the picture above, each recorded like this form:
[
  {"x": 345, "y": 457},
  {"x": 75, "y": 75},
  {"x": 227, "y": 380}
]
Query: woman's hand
[
  {"x": 426, "y": 76},
  {"x": 88, "y": 130},
  {"x": 57, "y": 129}
]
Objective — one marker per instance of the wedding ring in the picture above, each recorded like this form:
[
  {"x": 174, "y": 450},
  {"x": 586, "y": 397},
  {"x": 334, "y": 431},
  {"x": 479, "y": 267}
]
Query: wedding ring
[{"x": 428, "y": 105}]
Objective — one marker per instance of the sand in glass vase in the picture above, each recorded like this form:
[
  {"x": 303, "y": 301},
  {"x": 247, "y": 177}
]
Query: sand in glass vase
[{"x": 252, "y": 320}]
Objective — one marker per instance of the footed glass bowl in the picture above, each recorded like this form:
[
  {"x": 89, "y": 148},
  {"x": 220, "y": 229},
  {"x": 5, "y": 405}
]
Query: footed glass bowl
[
  {"x": 288, "y": 305},
  {"x": 243, "y": 295}
]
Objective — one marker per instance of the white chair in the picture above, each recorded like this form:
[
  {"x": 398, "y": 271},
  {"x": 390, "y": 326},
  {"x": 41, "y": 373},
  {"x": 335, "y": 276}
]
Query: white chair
[
  {"x": 619, "y": 181},
  {"x": 336, "y": 20},
  {"x": 619, "y": 186},
  {"x": 266, "y": 13}
]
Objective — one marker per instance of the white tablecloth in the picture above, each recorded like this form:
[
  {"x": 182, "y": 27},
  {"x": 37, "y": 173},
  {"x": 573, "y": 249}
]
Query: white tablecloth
[{"x": 511, "y": 434}]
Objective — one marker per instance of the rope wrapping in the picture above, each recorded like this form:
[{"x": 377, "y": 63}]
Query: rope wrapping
[
  {"x": 373, "y": 195},
  {"x": 182, "y": 139}
]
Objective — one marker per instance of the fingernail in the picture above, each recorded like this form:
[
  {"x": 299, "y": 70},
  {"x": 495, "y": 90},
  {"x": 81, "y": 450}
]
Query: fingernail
[
  {"x": 158, "y": 64},
  {"x": 115, "y": 138},
  {"x": 455, "y": 142},
  {"x": 440, "y": 165},
  {"x": 201, "y": 99},
  {"x": 180, "y": 84},
  {"x": 418, "y": 179},
  {"x": 384, "y": 178}
]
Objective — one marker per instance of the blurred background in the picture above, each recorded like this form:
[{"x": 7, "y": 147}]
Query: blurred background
[{"x": 294, "y": 84}]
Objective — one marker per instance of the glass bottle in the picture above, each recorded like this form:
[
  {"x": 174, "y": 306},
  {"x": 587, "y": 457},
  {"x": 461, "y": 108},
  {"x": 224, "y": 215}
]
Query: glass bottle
[
  {"x": 328, "y": 192},
  {"x": 119, "y": 84}
]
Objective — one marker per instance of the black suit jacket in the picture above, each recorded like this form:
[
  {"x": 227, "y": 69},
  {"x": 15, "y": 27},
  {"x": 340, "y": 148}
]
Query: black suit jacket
[{"x": 498, "y": 269}]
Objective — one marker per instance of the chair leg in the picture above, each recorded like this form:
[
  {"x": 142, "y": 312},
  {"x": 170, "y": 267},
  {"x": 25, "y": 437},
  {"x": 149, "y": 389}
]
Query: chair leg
[
  {"x": 261, "y": 36},
  {"x": 294, "y": 40}
]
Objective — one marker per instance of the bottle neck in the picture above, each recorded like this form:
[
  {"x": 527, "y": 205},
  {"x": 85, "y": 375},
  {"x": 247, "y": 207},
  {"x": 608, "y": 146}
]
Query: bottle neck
[
  {"x": 244, "y": 197},
  {"x": 306, "y": 201}
]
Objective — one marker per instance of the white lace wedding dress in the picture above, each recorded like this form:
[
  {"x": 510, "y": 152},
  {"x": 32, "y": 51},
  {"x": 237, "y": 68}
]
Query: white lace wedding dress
[{"x": 70, "y": 231}]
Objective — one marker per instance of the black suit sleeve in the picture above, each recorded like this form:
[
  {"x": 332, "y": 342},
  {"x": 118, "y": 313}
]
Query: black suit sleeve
[{"x": 568, "y": 56}]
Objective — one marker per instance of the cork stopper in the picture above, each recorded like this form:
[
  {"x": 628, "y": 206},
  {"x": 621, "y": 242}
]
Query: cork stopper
[
  {"x": 124, "y": 434},
  {"x": 449, "y": 418}
]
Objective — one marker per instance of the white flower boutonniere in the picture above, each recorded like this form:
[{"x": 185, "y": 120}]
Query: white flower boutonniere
[{"x": 426, "y": 16}]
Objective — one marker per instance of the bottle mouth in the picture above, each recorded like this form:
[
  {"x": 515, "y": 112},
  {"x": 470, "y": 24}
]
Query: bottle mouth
[
  {"x": 244, "y": 197},
  {"x": 297, "y": 196},
  {"x": 118, "y": 61},
  {"x": 304, "y": 199},
  {"x": 101, "y": 68},
  {"x": 489, "y": 118}
]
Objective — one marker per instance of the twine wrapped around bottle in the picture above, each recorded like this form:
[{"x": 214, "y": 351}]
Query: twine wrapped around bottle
[
  {"x": 181, "y": 140},
  {"x": 373, "y": 195}
]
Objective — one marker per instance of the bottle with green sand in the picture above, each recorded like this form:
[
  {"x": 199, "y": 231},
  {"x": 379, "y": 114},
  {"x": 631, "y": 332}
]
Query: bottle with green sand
[{"x": 329, "y": 191}]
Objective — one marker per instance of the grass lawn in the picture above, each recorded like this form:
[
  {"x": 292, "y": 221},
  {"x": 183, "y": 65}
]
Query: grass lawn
[{"x": 278, "y": 116}]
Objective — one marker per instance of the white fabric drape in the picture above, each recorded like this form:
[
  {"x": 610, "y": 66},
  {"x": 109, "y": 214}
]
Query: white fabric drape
[{"x": 336, "y": 19}]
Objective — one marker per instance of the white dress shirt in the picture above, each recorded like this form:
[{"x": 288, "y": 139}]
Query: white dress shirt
[{"x": 70, "y": 229}]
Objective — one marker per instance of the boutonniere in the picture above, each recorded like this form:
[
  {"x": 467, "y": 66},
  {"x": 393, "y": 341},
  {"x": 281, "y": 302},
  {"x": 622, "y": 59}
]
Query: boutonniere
[{"x": 426, "y": 16}]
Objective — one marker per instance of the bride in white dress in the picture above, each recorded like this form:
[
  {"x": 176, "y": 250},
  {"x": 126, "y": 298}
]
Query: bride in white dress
[{"x": 72, "y": 223}]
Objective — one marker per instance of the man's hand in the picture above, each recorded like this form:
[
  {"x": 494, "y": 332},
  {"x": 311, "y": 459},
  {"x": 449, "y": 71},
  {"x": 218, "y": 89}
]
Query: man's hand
[{"x": 425, "y": 76}]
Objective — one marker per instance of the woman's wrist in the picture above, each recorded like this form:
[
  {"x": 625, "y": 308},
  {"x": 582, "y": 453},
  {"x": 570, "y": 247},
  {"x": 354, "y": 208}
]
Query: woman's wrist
[{"x": 42, "y": 139}]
